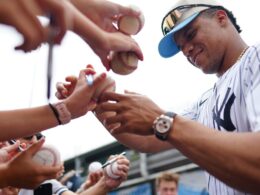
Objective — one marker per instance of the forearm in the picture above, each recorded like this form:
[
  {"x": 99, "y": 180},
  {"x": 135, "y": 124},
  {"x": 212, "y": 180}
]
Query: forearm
[
  {"x": 84, "y": 27},
  {"x": 144, "y": 144},
  {"x": 212, "y": 149},
  {"x": 24, "y": 122}
]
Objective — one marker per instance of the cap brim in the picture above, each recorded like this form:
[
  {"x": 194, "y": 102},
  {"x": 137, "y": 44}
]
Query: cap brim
[{"x": 167, "y": 46}]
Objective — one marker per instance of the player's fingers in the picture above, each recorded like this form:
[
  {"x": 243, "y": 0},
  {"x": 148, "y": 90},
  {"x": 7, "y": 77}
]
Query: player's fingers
[
  {"x": 118, "y": 130},
  {"x": 111, "y": 96},
  {"x": 109, "y": 109}
]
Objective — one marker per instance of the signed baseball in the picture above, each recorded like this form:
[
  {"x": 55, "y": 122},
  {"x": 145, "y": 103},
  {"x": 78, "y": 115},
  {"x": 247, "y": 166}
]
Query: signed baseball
[{"x": 112, "y": 170}]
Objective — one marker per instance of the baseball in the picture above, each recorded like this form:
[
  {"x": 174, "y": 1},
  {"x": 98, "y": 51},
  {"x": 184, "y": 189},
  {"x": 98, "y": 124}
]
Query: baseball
[
  {"x": 47, "y": 155},
  {"x": 94, "y": 166},
  {"x": 131, "y": 25},
  {"x": 112, "y": 170},
  {"x": 123, "y": 62},
  {"x": 108, "y": 84}
]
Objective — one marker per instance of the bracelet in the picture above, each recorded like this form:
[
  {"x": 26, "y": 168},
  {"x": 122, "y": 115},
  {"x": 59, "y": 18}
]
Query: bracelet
[
  {"x": 55, "y": 112},
  {"x": 64, "y": 113}
]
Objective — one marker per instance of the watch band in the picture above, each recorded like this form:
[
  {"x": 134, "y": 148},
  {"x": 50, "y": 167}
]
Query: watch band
[{"x": 171, "y": 114}]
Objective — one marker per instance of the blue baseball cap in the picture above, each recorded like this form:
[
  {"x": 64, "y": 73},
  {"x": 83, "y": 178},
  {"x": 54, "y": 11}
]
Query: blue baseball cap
[{"x": 183, "y": 13}]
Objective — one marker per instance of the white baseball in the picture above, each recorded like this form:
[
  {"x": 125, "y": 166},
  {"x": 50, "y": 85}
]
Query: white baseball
[
  {"x": 108, "y": 84},
  {"x": 112, "y": 170},
  {"x": 123, "y": 62},
  {"x": 47, "y": 155},
  {"x": 94, "y": 166},
  {"x": 131, "y": 25}
]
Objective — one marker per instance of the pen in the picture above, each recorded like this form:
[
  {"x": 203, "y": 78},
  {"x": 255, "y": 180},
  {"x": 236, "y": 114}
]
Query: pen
[
  {"x": 112, "y": 160},
  {"x": 89, "y": 79},
  {"x": 49, "y": 69},
  {"x": 50, "y": 56}
]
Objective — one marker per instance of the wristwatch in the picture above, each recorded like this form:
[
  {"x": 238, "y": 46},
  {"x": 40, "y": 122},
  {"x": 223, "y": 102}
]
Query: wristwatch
[{"x": 163, "y": 124}]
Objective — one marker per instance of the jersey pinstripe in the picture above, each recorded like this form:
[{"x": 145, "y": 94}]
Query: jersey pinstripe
[{"x": 232, "y": 105}]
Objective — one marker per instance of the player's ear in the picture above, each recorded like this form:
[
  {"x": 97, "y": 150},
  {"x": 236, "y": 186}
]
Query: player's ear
[{"x": 222, "y": 17}]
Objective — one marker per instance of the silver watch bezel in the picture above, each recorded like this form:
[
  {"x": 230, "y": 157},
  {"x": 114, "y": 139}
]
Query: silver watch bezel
[{"x": 165, "y": 121}]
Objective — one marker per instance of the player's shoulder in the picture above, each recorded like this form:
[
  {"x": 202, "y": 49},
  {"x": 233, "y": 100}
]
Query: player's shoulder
[{"x": 254, "y": 50}]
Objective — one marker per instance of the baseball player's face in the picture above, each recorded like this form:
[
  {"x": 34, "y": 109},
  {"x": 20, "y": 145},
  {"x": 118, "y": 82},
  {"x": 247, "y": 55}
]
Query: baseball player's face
[{"x": 202, "y": 43}]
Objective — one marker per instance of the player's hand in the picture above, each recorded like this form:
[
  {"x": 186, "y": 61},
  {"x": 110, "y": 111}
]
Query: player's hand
[
  {"x": 134, "y": 112},
  {"x": 23, "y": 172}
]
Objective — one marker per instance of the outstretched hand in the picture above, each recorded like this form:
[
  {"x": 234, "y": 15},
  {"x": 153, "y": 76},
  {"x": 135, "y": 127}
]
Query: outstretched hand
[
  {"x": 134, "y": 112},
  {"x": 23, "y": 172},
  {"x": 22, "y": 15},
  {"x": 104, "y": 13}
]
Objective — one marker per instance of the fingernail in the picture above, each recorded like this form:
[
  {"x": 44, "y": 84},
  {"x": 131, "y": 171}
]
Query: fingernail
[{"x": 103, "y": 75}]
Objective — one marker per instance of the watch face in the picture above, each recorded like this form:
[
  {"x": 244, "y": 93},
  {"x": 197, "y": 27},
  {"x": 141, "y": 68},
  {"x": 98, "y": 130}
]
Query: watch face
[{"x": 163, "y": 125}]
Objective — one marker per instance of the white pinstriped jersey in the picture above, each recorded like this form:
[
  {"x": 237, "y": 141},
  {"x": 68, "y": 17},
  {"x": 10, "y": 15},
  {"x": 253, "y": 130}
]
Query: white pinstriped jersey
[{"x": 233, "y": 105}]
